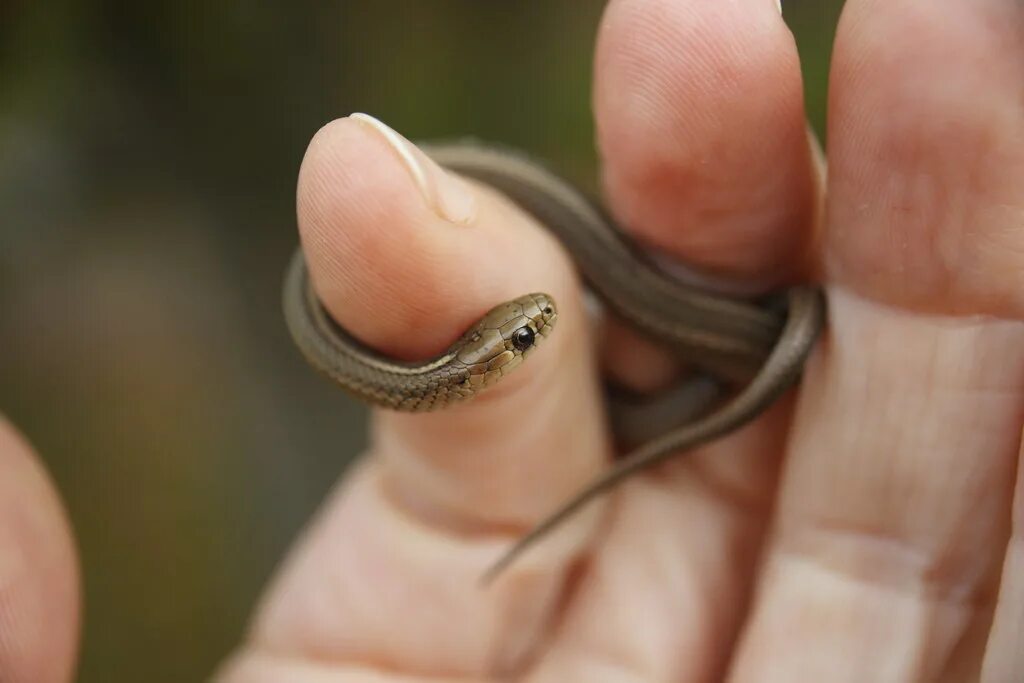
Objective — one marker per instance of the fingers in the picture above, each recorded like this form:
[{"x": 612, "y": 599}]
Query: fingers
[
  {"x": 407, "y": 257},
  {"x": 38, "y": 572},
  {"x": 701, "y": 128},
  {"x": 894, "y": 494},
  {"x": 925, "y": 155},
  {"x": 664, "y": 597},
  {"x": 894, "y": 504},
  {"x": 706, "y": 157}
]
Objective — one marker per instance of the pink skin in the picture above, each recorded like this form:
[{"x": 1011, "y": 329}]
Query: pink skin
[
  {"x": 879, "y": 542},
  {"x": 38, "y": 571}
]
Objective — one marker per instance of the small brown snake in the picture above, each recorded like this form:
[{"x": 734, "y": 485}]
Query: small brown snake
[{"x": 762, "y": 347}]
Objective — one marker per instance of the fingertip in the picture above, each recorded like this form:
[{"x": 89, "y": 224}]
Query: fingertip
[
  {"x": 701, "y": 128},
  {"x": 369, "y": 240},
  {"x": 927, "y": 155},
  {"x": 405, "y": 254},
  {"x": 38, "y": 571}
]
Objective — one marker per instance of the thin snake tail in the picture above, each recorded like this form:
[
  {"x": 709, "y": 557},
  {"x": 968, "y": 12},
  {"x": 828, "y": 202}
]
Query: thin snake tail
[{"x": 779, "y": 373}]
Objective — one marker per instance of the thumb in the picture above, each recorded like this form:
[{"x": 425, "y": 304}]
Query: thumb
[{"x": 406, "y": 257}]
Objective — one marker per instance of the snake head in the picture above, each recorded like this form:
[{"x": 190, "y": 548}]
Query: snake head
[{"x": 504, "y": 336}]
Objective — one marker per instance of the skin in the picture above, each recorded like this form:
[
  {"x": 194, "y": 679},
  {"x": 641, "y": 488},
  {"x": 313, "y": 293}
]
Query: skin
[{"x": 869, "y": 528}]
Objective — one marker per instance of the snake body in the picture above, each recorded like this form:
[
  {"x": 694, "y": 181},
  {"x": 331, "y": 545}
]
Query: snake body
[
  {"x": 760, "y": 346},
  {"x": 489, "y": 350}
]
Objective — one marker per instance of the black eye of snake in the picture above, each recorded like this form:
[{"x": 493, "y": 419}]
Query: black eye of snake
[{"x": 523, "y": 338}]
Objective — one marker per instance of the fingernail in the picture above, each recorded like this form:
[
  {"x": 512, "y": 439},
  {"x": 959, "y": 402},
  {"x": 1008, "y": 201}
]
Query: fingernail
[
  {"x": 778, "y": 3},
  {"x": 446, "y": 195}
]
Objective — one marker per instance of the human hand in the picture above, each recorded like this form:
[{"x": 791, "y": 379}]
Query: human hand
[{"x": 858, "y": 532}]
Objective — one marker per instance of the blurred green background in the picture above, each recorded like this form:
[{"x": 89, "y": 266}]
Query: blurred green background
[{"x": 148, "y": 156}]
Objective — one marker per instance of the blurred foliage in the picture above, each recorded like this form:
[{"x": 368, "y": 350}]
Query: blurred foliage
[{"x": 148, "y": 155}]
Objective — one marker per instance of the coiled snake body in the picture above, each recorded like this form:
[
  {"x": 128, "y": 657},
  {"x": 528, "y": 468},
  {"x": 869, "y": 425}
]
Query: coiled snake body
[{"x": 762, "y": 347}]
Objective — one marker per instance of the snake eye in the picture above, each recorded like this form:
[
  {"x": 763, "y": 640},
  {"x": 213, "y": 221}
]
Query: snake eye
[
  {"x": 548, "y": 310},
  {"x": 523, "y": 338}
]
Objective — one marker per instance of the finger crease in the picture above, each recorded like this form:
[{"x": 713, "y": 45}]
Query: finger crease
[{"x": 878, "y": 558}]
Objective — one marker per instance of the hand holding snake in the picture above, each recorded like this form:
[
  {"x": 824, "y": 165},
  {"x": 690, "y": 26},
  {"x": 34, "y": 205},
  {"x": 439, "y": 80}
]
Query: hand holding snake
[{"x": 867, "y": 527}]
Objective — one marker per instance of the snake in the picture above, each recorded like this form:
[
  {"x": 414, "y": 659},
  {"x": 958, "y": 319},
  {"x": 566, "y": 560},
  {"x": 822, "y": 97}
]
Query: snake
[{"x": 757, "y": 348}]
